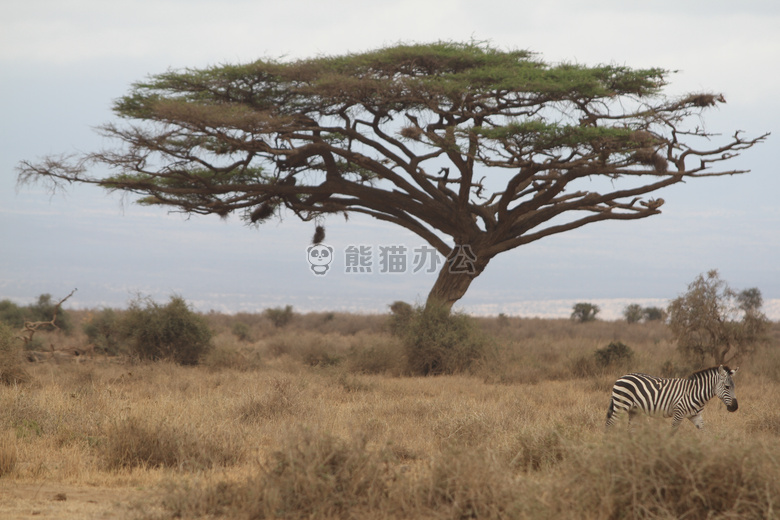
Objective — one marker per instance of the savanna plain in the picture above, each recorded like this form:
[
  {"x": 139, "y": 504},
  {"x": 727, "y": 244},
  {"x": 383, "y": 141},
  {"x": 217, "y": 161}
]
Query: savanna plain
[{"x": 320, "y": 418}]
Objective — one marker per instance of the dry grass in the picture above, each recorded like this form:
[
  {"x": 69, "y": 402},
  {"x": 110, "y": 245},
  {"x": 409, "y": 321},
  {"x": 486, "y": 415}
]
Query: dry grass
[{"x": 310, "y": 423}]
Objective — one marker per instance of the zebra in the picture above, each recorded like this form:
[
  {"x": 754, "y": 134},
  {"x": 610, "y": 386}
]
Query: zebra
[{"x": 676, "y": 398}]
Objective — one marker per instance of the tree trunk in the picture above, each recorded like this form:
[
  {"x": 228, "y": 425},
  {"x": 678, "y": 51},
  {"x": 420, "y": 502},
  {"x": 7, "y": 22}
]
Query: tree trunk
[{"x": 455, "y": 277}]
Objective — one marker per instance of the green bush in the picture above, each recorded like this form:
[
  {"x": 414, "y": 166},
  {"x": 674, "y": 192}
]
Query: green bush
[
  {"x": 241, "y": 331},
  {"x": 104, "y": 332},
  {"x": 584, "y": 312},
  {"x": 42, "y": 310},
  {"x": 439, "y": 342},
  {"x": 400, "y": 315},
  {"x": 171, "y": 331},
  {"x": 280, "y": 316},
  {"x": 616, "y": 353},
  {"x": 11, "y": 314}
]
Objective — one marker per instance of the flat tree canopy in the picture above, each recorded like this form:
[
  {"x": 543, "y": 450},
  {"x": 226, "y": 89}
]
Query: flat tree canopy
[{"x": 476, "y": 150}]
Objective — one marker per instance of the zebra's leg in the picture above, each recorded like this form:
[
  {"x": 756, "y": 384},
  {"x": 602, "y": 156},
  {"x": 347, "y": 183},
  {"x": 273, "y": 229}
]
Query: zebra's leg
[
  {"x": 631, "y": 414},
  {"x": 677, "y": 419},
  {"x": 610, "y": 415},
  {"x": 697, "y": 421}
]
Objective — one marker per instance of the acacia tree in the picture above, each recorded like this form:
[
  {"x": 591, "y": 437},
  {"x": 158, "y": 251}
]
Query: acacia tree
[
  {"x": 474, "y": 149},
  {"x": 713, "y": 320}
]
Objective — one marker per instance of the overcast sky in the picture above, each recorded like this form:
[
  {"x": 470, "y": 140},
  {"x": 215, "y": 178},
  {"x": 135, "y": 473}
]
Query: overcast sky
[{"x": 63, "y": 62}]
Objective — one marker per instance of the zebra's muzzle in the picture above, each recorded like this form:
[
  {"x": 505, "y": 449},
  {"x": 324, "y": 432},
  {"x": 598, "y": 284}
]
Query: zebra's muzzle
[{"x": 733, "y": 406}]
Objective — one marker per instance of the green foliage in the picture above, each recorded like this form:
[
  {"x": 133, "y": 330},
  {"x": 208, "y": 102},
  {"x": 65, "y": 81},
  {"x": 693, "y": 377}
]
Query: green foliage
[
  {"x": 11, "y": 363},
  {"x": 280, "y": 316},
  {"x": 584, "y": 312},
  {"x": 42, "y": 310},
  {"x": 241, "y": 331},
  {"x": 654, "y": 314},
  {"x": 103, "y": 331},
  {"x": 633, "y": 313},
  {"x": 616, "y": 353},
  {"x": 11, "y": 314},
  {"x": 750, "y": 300},
  {"x": 172, "y": 331},
  {"x": 437, "y": 341},
  {"x": 400, "y": 315},
  {"x": 711, "y": 321}
]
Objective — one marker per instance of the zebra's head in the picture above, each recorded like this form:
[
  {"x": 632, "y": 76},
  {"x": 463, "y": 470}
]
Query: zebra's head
[{"x": 724, "y": 388}]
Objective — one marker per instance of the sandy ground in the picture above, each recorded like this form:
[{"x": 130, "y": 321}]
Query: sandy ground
[{"x": 20, "y": 501}]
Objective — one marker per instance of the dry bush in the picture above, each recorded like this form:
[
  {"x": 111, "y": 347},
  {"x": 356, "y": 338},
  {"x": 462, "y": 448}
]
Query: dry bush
[
  {"x": 8, "y": 455},
  {"x": 231, "y": 354},
  {"x": 282, "y": 397},
  {"x": 655, "y": 476},
  {"x": 538, "y": 449},
  {"x": 376, "y": 353},
  {"x": 11, "y": 362},
  {"x": 469, "y": 483},
  {"x": 312, "y": 475},
  {"x": 148, "y": 443}
]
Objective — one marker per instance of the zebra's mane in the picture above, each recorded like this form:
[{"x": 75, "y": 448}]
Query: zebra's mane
[{"x": 704, "y": 371}]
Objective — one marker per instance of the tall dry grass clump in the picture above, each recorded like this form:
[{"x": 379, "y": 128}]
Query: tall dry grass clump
[
  {"x": 9, "y": 456},
  {"x": 11, "y": 362},
  {"x": 147, "y": 443},
  {"x": 653, "y": 475}
]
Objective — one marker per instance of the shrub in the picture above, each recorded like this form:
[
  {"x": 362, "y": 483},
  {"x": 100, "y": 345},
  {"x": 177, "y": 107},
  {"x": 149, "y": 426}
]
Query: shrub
[
  {"x": 171, "y": 331},
  {"x": 279, "y": 316},
  {"x": 400, "y": 315},
  {"x": 584, "y": 312},
  {"x": 44, "y": 310},
  {"x": 104, "y": 332},
  {"x": 439, "y": 342},
  {"x": 8, "y": 455},
  {"x": 135, "y": 442},
  {"x": 633, "y": 313},
  {"x": 241, "y": 331},
  {"x": 653, "y": 476},
  {"x": 11, "y": 314},
  {"x": 11, "y": 363},
  {"x": 653, "y": 314},
  {"x": 616, "y": 353}
]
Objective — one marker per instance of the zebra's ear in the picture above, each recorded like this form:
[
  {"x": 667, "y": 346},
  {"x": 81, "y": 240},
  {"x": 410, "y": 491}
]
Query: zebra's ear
[{"x": 734, "y": 371}]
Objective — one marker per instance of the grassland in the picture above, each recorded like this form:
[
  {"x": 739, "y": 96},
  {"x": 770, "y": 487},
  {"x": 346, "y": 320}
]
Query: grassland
[{"x": 318, "y": 420}]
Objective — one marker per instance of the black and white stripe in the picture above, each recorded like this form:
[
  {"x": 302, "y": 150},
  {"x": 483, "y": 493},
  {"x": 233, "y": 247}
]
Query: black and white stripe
[{"x": 676, "y": 398}]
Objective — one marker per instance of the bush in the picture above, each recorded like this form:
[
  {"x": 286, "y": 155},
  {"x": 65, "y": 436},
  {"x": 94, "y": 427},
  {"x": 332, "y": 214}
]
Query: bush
[
  {"x": 653, "y": 476},
  {"x": 241, "y": 331},
  {"x": 172, "y": 331},
  {"x": 616, "y": 353},
  {"x": 136, "y": 442},
  {"x": 11, "y": 314},
  {"x": 584, "y": 312},
  {"x": 11, "y": 363},
  {"x": 633, "y": 313},
  {"x": 653, "y": 314},
  {"x": 400, "y": 315},
  {"x": 43, "y": 310},
  {"x": 278, "y": 316},
  {"x": 104, "y": 332},
  {"x": 439, "y": 342}
]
